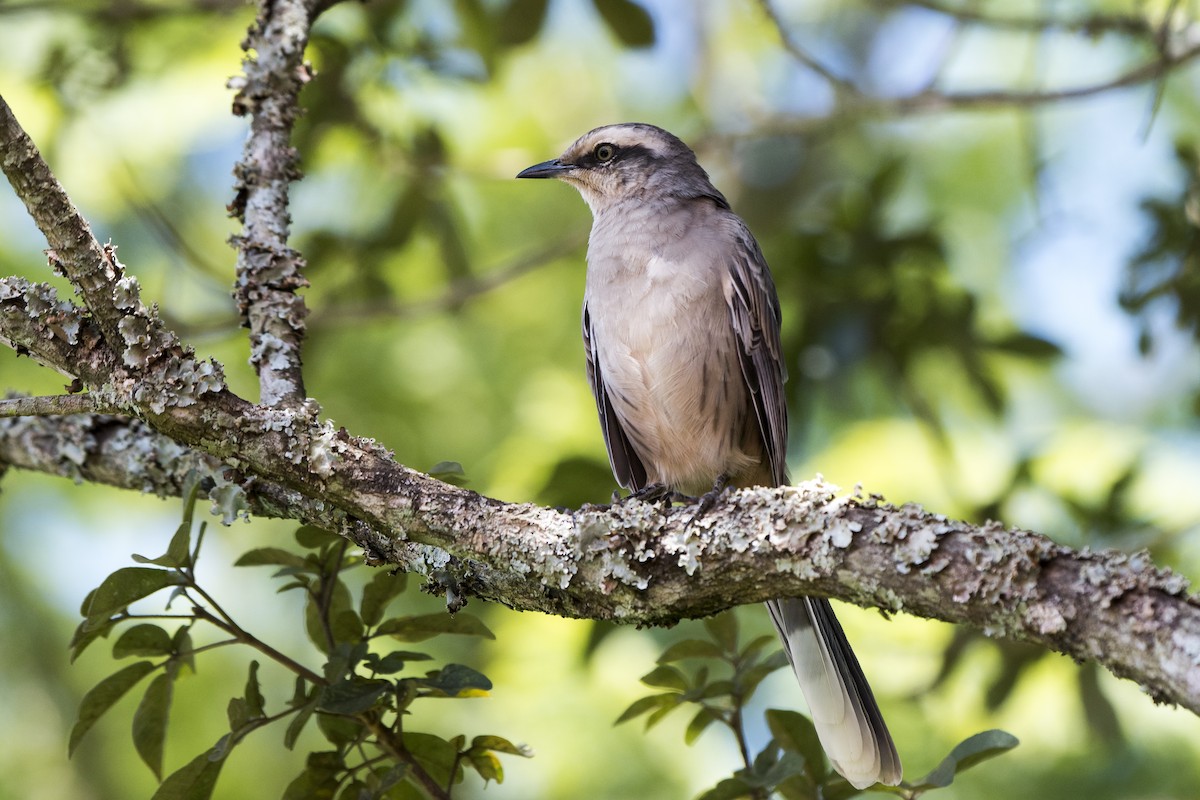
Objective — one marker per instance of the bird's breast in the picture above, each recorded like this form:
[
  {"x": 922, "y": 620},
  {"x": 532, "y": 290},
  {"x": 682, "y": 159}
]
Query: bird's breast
[{"x": 667, "y": 354}]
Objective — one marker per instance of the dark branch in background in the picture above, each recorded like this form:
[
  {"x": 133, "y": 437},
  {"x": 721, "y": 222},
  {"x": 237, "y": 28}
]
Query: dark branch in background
[
  {"x": 860, "y": 103},
  {"x": 452, "y": 297},
  {"x": 269, "y": 272},
  {"x": 1086, "y": 24}
]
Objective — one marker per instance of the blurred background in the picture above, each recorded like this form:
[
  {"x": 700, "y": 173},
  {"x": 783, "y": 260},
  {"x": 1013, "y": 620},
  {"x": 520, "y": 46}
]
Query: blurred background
[{"x": 990, "y": 295}]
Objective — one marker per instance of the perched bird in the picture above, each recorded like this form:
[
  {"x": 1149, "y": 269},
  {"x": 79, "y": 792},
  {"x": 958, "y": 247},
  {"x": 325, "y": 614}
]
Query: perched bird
[{"x": 681, "y": 329}]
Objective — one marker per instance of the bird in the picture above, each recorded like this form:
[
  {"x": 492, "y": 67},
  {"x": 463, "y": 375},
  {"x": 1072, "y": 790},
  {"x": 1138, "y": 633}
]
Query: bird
[{"x": 681, "y": 331}]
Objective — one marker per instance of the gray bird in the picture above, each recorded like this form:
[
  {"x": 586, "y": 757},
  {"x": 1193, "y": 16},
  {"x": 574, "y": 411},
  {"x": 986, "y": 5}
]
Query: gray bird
[{"x": 681, "y": 328}]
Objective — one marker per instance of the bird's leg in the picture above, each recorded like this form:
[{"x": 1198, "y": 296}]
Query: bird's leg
[{"x": 706, "y": 501}]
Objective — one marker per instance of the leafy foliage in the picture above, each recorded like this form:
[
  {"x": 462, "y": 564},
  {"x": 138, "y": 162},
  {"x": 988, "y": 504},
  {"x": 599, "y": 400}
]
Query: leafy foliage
[
  {"x": 792, "y": 764},
  {"x": 1167, "y": 268},
  {"x": 359, "y": 696}
]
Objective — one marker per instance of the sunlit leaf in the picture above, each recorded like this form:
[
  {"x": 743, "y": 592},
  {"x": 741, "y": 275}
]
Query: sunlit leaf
[
  {"x": 487, "y": 765},
  {"x": 704, "y": 717},
  {"x": 666, "y": 677},
  {"x": 647, "y": 704},
  {"x": 501, "y": 745}
]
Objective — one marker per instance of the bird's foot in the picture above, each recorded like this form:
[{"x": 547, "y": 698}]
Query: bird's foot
[
  {"x": 652, "y": 493},
  {"x": 706, "y": 501}
]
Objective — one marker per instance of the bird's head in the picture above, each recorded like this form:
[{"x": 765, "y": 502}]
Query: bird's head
[{"x": 629, "y": 161}]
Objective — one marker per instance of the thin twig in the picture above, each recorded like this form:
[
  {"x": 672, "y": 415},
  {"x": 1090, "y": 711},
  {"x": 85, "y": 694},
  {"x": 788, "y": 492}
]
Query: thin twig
[
  {"x": 269, "y": 271},
  {"x": 1090, "y": 24},
  {"x": 803, "y": 56}
]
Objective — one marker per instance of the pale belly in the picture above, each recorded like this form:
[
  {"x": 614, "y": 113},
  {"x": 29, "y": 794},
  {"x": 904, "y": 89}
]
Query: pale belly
[{"x": 669, "y": 362}]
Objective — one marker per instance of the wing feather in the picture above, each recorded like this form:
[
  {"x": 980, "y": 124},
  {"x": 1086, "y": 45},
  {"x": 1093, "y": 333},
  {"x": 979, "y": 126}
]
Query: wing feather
[
  {"x": 754, "y": 313},
  {"x": 626, "y": 466}
]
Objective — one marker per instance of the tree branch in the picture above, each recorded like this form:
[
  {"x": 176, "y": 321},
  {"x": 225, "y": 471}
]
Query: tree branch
[
  {"x": 933, "y": 100},
  {"x": 269, "y": 272},
  {"x": 637, "y": 563}
]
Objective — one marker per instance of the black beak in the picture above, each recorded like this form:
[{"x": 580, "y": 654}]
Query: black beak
[{"x": 547, "y": 169}]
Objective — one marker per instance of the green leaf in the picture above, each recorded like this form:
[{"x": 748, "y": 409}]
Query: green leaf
[
  {"x": 658, "y": 714},
  {"x": 347, "y": 627},
  {"x": 750, "y": 651},
  {"x": 319, "y": 780},
  {"x": 728, "y": 789},
  {"x": 705, "y": 717},
  {"x": 501, "y": 745},
  {"x": 456, "y": 680},
  {"x": 420, "y": 628},
  {"x": 263, "y": 556},
  {"x": 339, "y": 601},
  {"x": 87, "y": 632},
  {"x": 338, "y": 730},
  {"x": 519, "y": 22},
  {"x": 690, "y": 648},
  {"x": 795, "y": 733},
  {"x": 723, "y": 628},
  {"x": 352, "y": 696},
  {"x": 296, "y": 726},
  {"x": 193, "y": 781},
  {"x": 150, "y": 722},
  {"x": 1028, "y": 345},
  {"x": 434, "y": 753},
  {"x": 395, "y": 661},
  {"x": 647, "y": 704},
  {"x": 254, "y": 698},
  {"x": 143, "y": 640},
  {"x": 629, "y": 21},
  {"x": 390, "y": 777},
  {"x": 666, "y": 677},
  {"x": 181, "y": 643},
  {"x": 177, "y": 554},
  {"x": 967, "y": 754},
  {"x": 355, "y": 790},
  {"x": 103, "y": 695},
  {"x": 487, "y": 765},
  {"x": 383, "y": 587},
  {"x": 449, "y": 472},
  {"x": 127, "y": 585},
  {"x": 311, "y": 537}
]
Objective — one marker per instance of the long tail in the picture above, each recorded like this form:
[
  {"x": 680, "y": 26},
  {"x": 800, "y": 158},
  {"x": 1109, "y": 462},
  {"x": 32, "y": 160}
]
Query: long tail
[{"x": 848, "y": 721}]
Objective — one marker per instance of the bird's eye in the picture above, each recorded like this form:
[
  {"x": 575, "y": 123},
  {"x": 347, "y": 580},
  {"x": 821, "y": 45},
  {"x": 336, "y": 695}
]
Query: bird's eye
[{"x": 605, "y": 152}]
